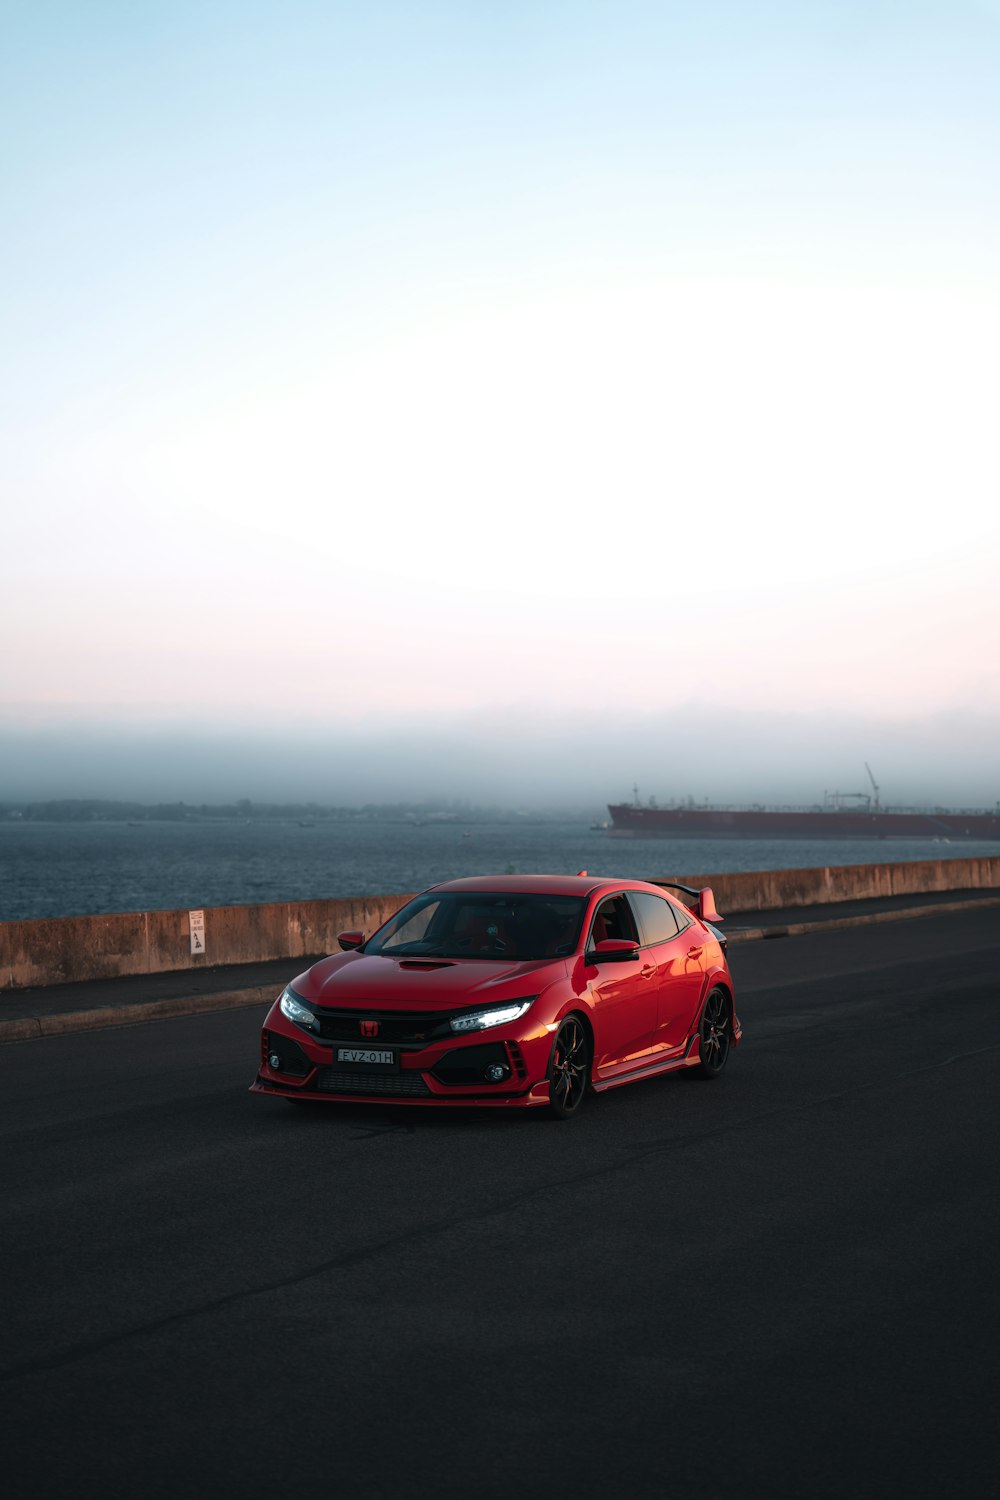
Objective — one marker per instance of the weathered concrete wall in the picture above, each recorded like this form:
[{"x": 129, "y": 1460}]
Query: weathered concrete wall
[
  {"x": 68, "y": 949},
  {"x": 765, "y": 890}
]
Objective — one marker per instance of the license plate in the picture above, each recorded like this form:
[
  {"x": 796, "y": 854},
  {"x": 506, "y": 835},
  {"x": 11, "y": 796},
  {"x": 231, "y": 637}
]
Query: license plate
[{"x": 368, "y": 1057}]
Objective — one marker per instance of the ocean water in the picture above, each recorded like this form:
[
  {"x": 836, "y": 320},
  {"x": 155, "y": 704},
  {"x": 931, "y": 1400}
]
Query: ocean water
[{"x": 76, "y": 869}]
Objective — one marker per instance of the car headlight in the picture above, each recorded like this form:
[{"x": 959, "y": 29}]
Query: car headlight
[
  {"x": 292, "y": 1007},
  {"x": 501, "y": 1015}
]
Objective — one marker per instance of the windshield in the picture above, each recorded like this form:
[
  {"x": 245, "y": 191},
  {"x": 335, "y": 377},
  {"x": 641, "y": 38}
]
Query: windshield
[{"x": 481, "y": 924}]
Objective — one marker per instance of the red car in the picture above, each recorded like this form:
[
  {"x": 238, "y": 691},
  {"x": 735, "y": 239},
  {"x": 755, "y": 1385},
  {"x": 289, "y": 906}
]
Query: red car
[{"x": 511, "y": 991}]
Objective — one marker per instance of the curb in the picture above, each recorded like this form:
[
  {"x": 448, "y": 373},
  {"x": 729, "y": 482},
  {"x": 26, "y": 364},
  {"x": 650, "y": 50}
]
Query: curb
[{"x": 31, "y": 1028}]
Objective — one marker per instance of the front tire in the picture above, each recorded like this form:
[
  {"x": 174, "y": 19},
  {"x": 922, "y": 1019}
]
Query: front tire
[
  {"x": 714, "y": 1034},
  {"x": 569, "y": 1069}
]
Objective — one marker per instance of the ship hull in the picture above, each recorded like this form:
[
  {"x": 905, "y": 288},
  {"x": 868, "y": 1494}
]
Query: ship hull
[{"x": 629, "y": 821}]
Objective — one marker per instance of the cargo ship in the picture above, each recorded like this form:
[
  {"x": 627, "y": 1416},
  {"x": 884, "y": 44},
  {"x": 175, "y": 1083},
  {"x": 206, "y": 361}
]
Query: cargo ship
[{"x": 841, "y": 815}]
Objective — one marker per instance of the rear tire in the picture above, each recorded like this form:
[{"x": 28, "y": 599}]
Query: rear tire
[
  {"x": 714, "y": 1034},
  {"x": 569, "y": 1069}
]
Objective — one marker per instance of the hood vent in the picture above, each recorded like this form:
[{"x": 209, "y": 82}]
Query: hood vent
[{"x": 427, "y": 963}]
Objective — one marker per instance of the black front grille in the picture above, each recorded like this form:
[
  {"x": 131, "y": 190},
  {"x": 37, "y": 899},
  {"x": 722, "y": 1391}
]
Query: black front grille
[
  {"x": 412, "y": 1027},
  {"x": 389, "y": 1085}
]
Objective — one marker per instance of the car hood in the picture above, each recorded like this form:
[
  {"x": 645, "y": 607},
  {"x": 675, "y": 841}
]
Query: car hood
[{"x": 359, "y": 979}]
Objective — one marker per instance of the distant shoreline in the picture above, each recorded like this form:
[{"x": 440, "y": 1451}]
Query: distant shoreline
[{"x": 419, "y": 814}]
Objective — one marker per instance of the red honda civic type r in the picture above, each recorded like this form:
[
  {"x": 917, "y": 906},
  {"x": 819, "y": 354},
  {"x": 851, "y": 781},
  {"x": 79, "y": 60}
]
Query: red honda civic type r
[{"x": 509, "y": 991}]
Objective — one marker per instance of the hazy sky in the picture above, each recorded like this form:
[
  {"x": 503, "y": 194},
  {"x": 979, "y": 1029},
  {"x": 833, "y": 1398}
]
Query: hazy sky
[{"x": 518, "y": 395}]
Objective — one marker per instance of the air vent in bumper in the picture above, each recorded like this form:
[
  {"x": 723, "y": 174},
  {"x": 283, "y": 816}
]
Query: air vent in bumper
[{"x": 408, "y": 1085}]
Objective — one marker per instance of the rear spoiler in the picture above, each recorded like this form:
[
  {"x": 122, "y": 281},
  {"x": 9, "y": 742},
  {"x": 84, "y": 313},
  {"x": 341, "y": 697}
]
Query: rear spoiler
[{"x": 703, "y": 905}]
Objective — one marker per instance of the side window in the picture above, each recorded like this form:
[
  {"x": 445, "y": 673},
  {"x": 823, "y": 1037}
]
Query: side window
[
  {"x": 658, "y": 917},
  {"x": 613, "y": 919}
]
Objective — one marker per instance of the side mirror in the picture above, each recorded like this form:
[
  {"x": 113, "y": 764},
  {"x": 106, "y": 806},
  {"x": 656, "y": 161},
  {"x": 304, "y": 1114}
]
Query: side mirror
[
  {"x": 349, "y": 940},
  {"x": 613, "y": 951}
]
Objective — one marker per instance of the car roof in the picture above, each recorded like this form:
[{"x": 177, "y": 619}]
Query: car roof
[{"x": 540, "y": 885}]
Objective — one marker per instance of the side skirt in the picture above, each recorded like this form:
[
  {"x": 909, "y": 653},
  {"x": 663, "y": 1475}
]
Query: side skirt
[{"x": 650, "y": 1070}]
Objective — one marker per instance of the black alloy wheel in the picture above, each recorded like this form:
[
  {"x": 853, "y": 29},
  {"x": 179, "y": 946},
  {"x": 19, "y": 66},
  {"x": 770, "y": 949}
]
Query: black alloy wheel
[
  {"x": 569, "y": 1069},
  {"x": 715, "y": 1035}
]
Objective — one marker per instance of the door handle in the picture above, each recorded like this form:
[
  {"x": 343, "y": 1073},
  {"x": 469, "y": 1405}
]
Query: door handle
[
  {"x": 693, "y": 952},
  {"x": 646, "y": 970}
]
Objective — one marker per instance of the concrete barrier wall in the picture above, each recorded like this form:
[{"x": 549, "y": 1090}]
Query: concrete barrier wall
[
  {"x": 68, "y": 949},
  {"x": 766, "y": 890}
]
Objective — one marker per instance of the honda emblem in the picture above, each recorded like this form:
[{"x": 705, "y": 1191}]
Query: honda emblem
[{"x": 369, "y": 1028}]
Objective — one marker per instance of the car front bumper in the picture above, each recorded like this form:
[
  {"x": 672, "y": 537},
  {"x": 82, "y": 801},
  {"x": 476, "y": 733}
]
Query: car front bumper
[{"x": 447, "y": 1071}]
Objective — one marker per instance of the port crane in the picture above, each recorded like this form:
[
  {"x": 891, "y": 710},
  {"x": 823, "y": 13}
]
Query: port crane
[
  {"x": 874, "y": 783},
  {"x": 836, "y": 800}
]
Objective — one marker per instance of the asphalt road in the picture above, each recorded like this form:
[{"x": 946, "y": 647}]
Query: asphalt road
[{"x": 782, "y": 1283}]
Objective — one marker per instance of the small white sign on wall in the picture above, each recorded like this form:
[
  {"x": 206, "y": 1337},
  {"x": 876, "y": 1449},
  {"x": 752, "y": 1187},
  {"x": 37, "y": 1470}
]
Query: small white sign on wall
[{"x": 196, "y": 921}]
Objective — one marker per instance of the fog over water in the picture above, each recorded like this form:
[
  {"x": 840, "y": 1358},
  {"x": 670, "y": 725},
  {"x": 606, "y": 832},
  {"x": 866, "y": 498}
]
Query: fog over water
[{"x": 519, "y": 757}]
